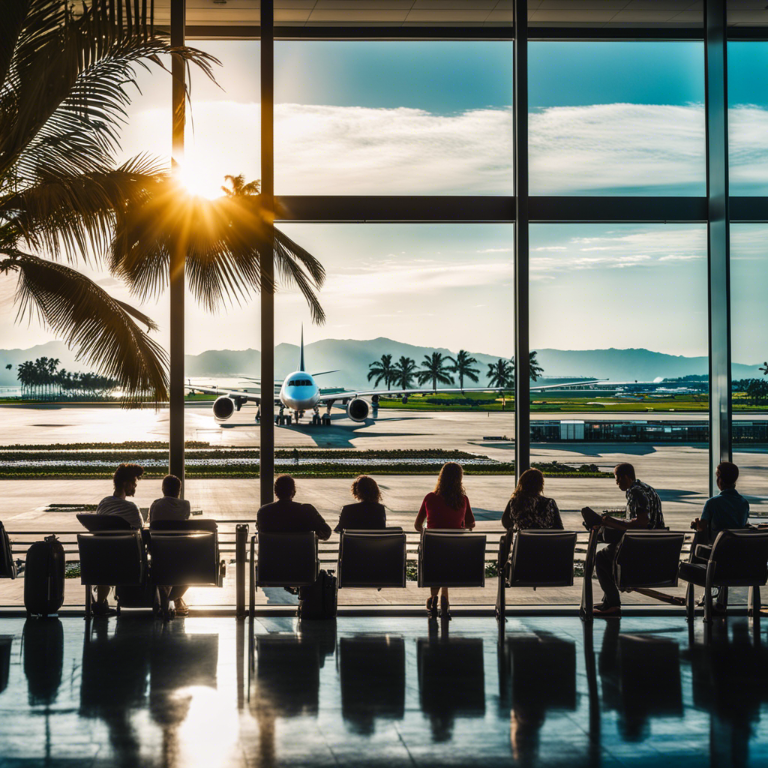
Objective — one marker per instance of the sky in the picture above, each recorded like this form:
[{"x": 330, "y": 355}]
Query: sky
[{"x": 435, "y": 118}]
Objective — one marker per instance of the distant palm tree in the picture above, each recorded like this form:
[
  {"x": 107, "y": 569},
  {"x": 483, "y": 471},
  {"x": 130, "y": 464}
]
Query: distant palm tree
[
  {"x": 237, "y": 186},
  {"x": 404, "y": 372},
  {"x": 436, "y": 367},
  {"x": 501, "y": 374},
  {"x": 462, "y": 366},
  {"x": 9, "y": 367},
  {"x": 535, "y": 369},
  {"x": 382, "y": 369}
]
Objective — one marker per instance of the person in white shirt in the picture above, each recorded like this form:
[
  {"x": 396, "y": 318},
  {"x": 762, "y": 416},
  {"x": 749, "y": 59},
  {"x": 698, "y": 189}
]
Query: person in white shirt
[
  {"x": 124, "y": 480},
  {"x": 170, "y": 506}
]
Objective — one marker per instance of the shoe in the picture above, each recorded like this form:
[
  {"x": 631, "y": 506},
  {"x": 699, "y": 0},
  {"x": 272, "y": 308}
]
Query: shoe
[
  {"x": 607, "y": 611},
  {"x": 445, "y": 610},
  {"x": 432, "y": 607},
  {"x": 103, "y": 609},
  {"x": 182, "y": 609}
]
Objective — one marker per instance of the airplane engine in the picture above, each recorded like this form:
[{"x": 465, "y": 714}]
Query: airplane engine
[
  {"x": 223, "y": 408},
  {"x": 357, "y": 410}
]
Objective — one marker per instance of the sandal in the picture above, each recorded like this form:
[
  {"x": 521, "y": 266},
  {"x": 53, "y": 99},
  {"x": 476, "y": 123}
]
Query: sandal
[
  {"x": 432, "y": 607},
  {"x": 607, "y": 611}
]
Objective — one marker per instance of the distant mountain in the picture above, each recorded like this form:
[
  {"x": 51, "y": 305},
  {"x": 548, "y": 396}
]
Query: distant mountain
[{"x": 350, "y": 360}]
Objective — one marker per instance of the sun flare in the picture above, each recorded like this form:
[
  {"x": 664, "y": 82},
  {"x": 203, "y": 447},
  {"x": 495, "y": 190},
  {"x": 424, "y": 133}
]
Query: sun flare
[{"x": 201, "y": 179}]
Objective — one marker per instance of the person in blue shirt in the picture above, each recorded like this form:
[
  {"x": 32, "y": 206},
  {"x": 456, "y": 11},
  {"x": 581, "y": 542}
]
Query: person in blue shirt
[{"x": 729, "y": 509}]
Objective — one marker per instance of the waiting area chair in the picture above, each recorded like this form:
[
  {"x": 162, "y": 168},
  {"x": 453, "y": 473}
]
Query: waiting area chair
[
  {"x": 451, "y": 558},
  {"x": 8, "y": 566},
  {"x": 111, "y": 554},
  {"x": 188, "y": 558},
  {"x": 538, "y": 558},
  {"x": 372, "y": 558},
  {"x": 738, "y": 558}
]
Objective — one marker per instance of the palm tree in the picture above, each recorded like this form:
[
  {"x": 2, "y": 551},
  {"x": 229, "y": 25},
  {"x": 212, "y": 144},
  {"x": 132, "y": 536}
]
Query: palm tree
[
  {"x": 62, "y": 198},
  {"x": 237, "y": 186},
  {"x": 501, "y": 374},
  {"x": 535, "y": 369},
  {"x": 436, "y": 368},
  {"x": 382, "y": 369},
  {"x": 462, "y": 366},
  {"x": 405, "y": 372}
]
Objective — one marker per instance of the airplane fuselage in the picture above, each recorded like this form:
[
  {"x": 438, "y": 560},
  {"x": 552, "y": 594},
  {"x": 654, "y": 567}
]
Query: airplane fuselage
[{"x": 299, "y": 392}]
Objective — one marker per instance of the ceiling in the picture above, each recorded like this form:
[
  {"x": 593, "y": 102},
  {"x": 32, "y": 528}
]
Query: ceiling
[{"x": 465, "y": 13}]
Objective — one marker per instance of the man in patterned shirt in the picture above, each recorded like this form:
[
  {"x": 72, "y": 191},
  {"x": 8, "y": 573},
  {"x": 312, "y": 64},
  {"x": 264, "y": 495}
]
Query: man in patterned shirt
[{"x": 643, "y": 511}]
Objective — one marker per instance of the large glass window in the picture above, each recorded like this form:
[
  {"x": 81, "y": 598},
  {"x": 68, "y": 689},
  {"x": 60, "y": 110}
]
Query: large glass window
[
  {"x": 616, "y": 118},
  {"x": 393, "y": 118},
  {"x": 749, "y": 351},
  {"x": 626, "y": 307}
]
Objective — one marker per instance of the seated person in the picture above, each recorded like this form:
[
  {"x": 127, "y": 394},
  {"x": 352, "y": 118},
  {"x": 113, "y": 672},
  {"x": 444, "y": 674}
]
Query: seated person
[
  {"x": 729, "y": 509},
  {"x": 124, "y": 480},
  {"x": 643, "y": 511},
  {"x": 369, "y": 512},
  {"x": 528, "y": 508},
  {"x": 170, "y": 506},
  {"x": 288, "y": 516}
]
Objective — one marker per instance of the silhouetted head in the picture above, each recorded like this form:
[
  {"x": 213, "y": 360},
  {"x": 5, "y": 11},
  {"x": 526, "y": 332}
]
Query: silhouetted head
[
  {"x": 727, "y": 475},
  {"x": 449, "y": 485},
  {"x": 171, "y": 486},
  {"x": 366, "y": 489},
  {"x": 285, "y": 487},
  {"x": 125, "y": 478},
  {"x": 625, "y": 475},
  {"x": 531, "y": 483}
]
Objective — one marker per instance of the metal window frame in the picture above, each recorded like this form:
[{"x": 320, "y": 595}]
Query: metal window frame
[{"x": 715, "y": 208}]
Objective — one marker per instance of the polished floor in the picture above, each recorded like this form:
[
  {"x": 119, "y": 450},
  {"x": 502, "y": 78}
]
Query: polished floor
[{"x": 384, "y": 692}]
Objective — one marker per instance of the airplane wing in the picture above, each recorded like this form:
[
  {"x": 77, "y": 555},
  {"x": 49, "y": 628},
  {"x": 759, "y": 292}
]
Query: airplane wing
[
  {"x": 243, "y": 397},
  {"x": 349, "y": 395}
]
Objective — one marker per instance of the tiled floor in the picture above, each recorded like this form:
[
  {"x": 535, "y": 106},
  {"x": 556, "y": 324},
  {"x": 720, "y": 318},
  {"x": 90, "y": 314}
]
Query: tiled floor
[{"x": 381, "y": 691}]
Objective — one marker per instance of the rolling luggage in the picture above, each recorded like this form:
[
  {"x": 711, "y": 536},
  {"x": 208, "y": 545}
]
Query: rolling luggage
[
  {"x": 7, "y": 566},
  {"x": 44, "y": 577},
  {"x": 318, "y": 601}
]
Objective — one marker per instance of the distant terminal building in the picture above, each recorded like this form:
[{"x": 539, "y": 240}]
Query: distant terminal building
[{"x": 637, "y": 431}]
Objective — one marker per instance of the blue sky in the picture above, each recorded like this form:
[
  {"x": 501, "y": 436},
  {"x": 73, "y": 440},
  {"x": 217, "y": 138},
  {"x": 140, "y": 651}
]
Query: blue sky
[{"x": 435, "y": 118}]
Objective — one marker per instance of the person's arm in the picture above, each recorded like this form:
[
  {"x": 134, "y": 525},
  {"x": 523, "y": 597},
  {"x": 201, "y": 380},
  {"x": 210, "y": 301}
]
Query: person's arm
[
  {"x": 557, "y": 521},
  {"x": 322, "y": 529},
  {"x": 135, "y": 521},
  {"x": 422, "y": 516},
  {"x": 187, "y": 509},
  {"x": 469, "y": 517},
  {"x": 506, "y": 518},
  {"x": 340, "y": 526}
]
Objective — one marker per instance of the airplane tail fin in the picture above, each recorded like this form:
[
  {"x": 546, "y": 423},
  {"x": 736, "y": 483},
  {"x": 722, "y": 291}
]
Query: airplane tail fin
[{"x": 301, "y": 359}]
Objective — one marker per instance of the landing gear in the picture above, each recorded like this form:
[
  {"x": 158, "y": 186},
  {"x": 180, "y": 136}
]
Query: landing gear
[
  {"x": 326, "y": 420},
  {"x": 258, "y": 415}
]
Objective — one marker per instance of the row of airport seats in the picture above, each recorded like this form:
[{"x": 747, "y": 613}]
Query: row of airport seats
[
  {"x": 136, "y": 562},
  {"x": 645, "y": 560}
]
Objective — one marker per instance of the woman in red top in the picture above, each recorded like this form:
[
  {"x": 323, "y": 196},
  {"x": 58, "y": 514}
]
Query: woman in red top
[{"x": 446, "y": 507}]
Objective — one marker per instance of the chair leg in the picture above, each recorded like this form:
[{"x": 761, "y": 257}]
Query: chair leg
[
  {"x": 88, "y": 601},
  {"x": 501, "y": 599},
  {"x": 707, "y": 605},
  {"x": 754, "y": 601},
  {"x": 689, "y": 602}
]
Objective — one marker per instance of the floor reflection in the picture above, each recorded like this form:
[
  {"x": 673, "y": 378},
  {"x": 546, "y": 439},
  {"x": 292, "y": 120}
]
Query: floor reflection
[
  {"x": 372, "y": 679},
  {"x": 542, "y": 668},
  {"x": 640, "y": 676},
  {"x": 451, "y": 679}
]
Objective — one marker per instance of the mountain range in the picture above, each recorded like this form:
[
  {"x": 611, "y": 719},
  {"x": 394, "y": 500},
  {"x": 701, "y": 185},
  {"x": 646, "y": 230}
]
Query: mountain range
[{"x": 349, "y": 359}]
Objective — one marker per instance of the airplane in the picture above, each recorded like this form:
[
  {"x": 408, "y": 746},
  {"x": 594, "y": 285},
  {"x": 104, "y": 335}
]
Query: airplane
[{"x": 300, "y": 393}]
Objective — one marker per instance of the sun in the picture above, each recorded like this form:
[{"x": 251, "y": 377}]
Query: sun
[{"x": 200, "y": 178}]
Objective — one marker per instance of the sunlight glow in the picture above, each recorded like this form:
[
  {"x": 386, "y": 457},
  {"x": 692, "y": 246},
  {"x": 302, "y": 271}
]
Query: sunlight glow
[{"x": 201, "y": 178}]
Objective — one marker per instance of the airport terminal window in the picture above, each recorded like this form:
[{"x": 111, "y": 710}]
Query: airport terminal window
[
  {"x": 747, "y": 118},
  {"x": 749, "y": 351},
  {"x": 627, "y": 305},
  {"x": 393, "y": 118},
  {"x": 616, "y": 118}
]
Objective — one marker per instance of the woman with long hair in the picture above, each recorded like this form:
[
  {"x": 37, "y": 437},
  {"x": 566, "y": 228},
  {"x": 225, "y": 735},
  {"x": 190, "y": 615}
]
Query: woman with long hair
[
  {"x": 528, "y": 507},
  {"x": 446, "y": 507},
  {"x": 368, "y": 512}
]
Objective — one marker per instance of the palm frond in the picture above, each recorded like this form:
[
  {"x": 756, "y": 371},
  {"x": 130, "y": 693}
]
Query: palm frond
[{"x": 99, "y": 327}]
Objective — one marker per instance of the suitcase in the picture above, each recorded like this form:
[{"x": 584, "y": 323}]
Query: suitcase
[
  {"x": 318, "y": 601},
  {"x": 44, "y": 578},
  {"x": 7, "y": 566}
]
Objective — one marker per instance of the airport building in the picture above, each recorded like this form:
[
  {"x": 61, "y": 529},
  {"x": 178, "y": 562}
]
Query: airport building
[{"x": 552, "y": 187}]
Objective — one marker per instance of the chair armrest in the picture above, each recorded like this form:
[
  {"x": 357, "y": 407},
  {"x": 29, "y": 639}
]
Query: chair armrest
[{"x": 704, "y": 551}]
